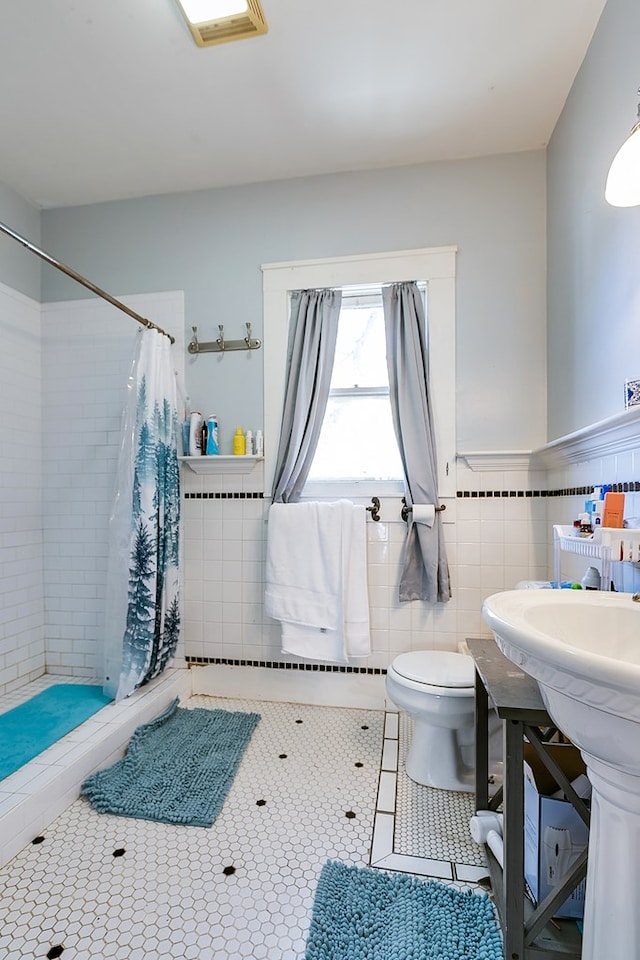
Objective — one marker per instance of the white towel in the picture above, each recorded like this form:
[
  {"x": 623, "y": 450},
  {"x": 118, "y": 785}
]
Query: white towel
[{"x": 316, "y": 579}]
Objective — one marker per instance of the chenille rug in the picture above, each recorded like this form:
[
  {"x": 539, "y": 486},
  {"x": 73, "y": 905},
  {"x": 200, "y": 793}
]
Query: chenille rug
[
  {"x": 364, "y": 914},
  {"x": 177, "y": 769}
]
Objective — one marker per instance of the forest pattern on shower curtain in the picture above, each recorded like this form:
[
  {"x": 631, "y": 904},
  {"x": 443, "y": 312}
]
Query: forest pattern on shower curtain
[{"x": 153, "y": 617}]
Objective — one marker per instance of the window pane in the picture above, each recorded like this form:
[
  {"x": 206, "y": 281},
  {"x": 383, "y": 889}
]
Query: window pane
[
  {"x": 357, "y": 441},
  {"x": 360, "y": 357}
]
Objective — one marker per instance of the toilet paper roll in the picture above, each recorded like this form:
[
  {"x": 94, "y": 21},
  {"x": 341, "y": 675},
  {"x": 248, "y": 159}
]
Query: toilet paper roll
[
  {"x": 494, "y": 842},
  {"x": 424, "y": 513},
  {"x": 483, "y": 823}
]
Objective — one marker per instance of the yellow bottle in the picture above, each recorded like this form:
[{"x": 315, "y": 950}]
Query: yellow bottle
[{"x": 239, "y": 443}]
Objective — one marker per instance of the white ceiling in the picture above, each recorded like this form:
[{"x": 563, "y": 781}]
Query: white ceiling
[{"x": 109, "y": 99}]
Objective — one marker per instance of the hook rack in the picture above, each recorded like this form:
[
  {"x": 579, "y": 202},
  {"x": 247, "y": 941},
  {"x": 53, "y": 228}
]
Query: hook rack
[{"x": 221, "y": 345}]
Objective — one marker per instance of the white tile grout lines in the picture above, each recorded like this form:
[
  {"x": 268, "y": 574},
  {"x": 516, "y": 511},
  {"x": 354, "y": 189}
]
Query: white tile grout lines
[{"x": 315, "y": 783}]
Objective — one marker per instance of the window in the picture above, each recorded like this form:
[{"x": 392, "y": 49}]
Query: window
[
  {"x": 437, "y": 267},
  {"x": 358, "y": 441}
]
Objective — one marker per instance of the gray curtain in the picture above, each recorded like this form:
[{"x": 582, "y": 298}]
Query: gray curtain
[
  {"x": 425, "y": 574},
  {"x": 313, "y": 329}
]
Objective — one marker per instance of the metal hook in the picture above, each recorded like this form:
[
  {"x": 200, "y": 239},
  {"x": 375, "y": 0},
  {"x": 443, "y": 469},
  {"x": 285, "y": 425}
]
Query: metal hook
[
  {"x": 224, "y": 346},
  {"x": 194, "y": 346}
]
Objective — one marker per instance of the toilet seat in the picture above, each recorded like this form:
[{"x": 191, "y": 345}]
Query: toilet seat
[{"x": 436, "y": 668}]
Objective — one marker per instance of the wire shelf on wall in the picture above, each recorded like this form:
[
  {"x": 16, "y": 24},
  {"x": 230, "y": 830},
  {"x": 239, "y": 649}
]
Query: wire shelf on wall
[{"x": 606, "y": 544}]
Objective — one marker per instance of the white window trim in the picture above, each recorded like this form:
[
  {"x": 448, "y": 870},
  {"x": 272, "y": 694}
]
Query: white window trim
[{"x": 436, "y": 265}]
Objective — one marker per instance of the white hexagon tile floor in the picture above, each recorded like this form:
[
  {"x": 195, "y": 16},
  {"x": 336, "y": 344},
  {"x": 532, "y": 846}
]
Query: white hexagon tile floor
[{"x": 98, "y": 886}]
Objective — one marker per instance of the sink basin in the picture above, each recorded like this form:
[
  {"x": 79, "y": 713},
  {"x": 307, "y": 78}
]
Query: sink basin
[
  {"x": 582, "y": 645},
  {"x": 583, "y": 648}
]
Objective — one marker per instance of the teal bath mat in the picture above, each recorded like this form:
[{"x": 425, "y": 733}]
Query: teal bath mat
[
  {"x": 177, "y": 769},
  {"x": 27, "y": 730},
  {"x": 361, "y": 913}
]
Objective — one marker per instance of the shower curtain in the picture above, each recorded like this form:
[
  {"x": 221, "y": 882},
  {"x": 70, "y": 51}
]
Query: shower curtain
[{"x": 142, "y": 621}]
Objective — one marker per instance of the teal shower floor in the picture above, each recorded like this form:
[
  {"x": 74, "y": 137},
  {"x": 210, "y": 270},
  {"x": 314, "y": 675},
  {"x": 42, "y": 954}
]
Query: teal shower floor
[{"x": 31, "y": 727}]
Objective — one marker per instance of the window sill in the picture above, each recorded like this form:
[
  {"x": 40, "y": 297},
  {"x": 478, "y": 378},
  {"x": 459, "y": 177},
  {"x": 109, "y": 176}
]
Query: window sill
[{"x": 352, "y": 489}]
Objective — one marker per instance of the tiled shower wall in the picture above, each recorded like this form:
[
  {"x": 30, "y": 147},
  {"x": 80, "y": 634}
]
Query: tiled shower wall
[
  {"x": 21, "y": 595},
  {"x": 88, "y": 348},
  {"x": 63, "y": 374},
  {"x": 84, "y": 381}
]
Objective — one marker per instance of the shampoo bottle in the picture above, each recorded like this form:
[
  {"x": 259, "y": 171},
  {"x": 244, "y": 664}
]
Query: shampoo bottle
[
  {"x": 248, "y": 443},
  {"x": 259, "y": 444},
  {"x": 212, "y": 435},
  {"x": 239, "y": 445}
]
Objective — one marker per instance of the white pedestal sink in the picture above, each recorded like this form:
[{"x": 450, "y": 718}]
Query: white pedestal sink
[{"x": 583, "y": 648}]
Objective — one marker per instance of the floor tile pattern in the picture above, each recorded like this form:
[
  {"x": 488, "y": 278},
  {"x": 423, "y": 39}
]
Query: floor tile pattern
[
  {"x": 103, "y": 886},
  {"x": 308, "y": 789},
  {"x": 433, "y": 823},
  {"x": 33, "y": 796},
  {"x": 418, "y": 829}
]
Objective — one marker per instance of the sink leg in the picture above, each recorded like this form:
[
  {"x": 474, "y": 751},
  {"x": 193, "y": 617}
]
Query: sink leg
[{"x": 611, "y": 920}]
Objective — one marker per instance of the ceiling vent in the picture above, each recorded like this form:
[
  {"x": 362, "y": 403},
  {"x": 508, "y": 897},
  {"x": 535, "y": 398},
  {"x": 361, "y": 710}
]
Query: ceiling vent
[{"x": 219, "y": 21}]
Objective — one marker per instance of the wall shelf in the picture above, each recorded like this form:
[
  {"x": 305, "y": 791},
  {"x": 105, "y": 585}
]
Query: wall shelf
[
  {"x": 616, "y": 434},
  {"x": 605, "y": 544},
  {"x": 221, "y": 463},
  {"x": 500, "y": 460}
]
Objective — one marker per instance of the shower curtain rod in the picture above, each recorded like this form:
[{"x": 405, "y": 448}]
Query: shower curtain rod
[{"x": 83, "y": 280}]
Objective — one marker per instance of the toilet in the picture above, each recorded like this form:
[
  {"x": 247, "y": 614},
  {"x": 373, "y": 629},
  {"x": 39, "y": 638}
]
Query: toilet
[{"x": 437, "y": 690}]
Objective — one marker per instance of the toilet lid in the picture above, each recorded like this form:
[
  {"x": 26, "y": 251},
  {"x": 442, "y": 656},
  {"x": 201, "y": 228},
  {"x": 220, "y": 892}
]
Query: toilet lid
[{"x": 436, "y": 667}]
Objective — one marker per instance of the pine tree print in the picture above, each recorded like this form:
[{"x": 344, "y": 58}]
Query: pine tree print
[
  {"x": 141, "y": 610},
  {"x": 153, "y": 617}
]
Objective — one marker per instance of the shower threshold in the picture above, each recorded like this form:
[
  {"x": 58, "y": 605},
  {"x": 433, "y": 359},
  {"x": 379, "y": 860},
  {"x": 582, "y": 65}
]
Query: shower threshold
[{"x": 33, "y": 796}]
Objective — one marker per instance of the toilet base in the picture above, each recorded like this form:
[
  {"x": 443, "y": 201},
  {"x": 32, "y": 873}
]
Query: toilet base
[{"x": 434, "y": 759}]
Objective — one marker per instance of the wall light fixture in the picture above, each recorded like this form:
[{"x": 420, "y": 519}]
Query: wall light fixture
[{"x": 623, "y": 181}]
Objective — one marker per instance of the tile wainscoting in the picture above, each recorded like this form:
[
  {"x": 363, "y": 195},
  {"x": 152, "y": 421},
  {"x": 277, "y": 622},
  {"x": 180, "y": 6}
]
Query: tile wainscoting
[
  {"x": 498, "y": 531},
  {"x": 492, "y": 543}
]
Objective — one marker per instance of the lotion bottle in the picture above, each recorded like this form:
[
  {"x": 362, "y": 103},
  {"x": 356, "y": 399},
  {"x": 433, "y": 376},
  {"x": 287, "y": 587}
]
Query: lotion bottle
[{"x": 239, "y": 443}]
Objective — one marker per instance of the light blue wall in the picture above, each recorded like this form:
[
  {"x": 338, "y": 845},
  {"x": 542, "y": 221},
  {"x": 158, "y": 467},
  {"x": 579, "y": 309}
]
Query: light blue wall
[
  {"x": 594, "y": 249},
  {"x": 211, "y": 244},
  {"x": 18, "y": 269}
]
